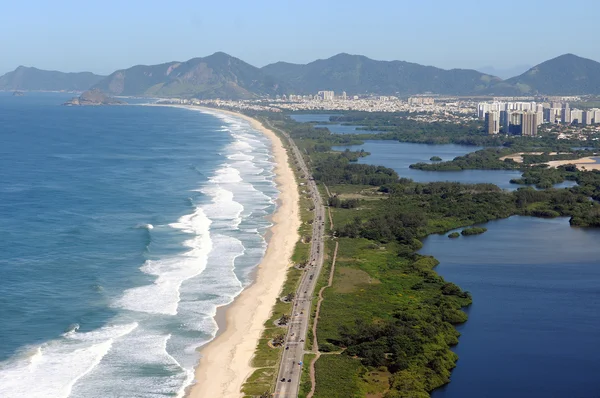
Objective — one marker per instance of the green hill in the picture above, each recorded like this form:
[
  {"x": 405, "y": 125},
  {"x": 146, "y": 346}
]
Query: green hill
[
  {"x": 33, "y": 79},
  {"x": 567, "y": 74},
  {"x": 357, "y": 74},
  {"x": 216, "y": 76}
]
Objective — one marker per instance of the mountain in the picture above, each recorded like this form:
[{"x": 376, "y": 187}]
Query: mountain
[
  {"x": 567, "y": 74},
  {"x": 33, "y": 79},
  {"x": 223, "y": 76},
  {"x": 357, "y": 74},
  {"x": 216, "y": 76}
]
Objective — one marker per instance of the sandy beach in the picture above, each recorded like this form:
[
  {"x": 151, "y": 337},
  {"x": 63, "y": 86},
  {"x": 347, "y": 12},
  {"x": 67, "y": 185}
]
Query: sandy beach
[
  {"x": 225, "y": 361},
  {"x": 587, "y": 163},
  {"x": 518, "y": 157}
]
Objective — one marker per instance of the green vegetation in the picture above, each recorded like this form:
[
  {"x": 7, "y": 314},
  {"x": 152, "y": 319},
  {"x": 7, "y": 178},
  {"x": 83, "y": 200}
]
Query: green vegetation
[
  {"x": 435, "y": 159},
  {"x": 386, "y": 324},
  {"x": 543, "y": 177},
  {"x": 484, "y": 159},
  {"x": 473, "y": 231},
  {"x": 454, "y": 235}
]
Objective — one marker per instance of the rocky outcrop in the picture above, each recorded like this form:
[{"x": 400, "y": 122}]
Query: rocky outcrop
[{"x": 93, "y": 97}]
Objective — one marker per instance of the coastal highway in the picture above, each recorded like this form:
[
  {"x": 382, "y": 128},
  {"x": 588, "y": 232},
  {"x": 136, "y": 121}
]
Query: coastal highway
[{"x": 288, "y": 379}]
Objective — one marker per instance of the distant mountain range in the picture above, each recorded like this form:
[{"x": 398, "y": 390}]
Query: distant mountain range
[
  {"x": 223, "y": 76},
  {"x": 33, "y": 79},
  {"x": 357, "y": 74}
]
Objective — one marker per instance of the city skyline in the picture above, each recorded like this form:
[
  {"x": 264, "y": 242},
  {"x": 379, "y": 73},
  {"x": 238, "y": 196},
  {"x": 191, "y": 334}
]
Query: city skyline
[{"x": 268, "y": 31}]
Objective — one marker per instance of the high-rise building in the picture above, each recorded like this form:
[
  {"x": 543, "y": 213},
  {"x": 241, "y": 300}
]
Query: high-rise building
[
  {"x": 344, "y": 96},
  {"x": 566, "y": 114},
  {"x": 596, "y": 116},
  {"x": 421, "y": 101},
  {"x": 588, "y": 116},
  {"x": 326, "y": 95},
  {"x": 492, "y": 122},
  {"x": 539, "y": 110},
  {"x": 515, "y": 122},
  {"x": 529, "y": 123},
  {"x": 576, "y": 116}
]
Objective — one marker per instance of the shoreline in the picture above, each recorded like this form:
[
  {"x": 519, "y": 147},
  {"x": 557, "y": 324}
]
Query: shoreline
[
  {"x": 225, "y": 361},
  {"x": 587, "y": 163}
]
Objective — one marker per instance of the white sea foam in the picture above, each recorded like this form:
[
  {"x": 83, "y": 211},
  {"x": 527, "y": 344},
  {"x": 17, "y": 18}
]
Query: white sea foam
[
  {"x": 176, "y": 309},
  {"x": 226, "y": 174},
  {"x": 162, "y": 296},
  {"x": 240, "y": 156},
  {"x": 57, "y": 365}
]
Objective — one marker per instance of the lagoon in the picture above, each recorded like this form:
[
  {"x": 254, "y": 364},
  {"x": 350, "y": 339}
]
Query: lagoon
[
  {"x": 400, "y": 155},
  {"x": 532, "y": 328},
  {"x": 345, "y": 129}
]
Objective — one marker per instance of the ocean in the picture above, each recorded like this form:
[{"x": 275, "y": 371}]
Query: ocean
[{"x": 122, "y": 229}]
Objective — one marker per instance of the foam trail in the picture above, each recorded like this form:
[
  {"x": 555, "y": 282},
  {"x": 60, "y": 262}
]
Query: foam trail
[
  {"x": 57, "y": 365},
  {"x": 162, "y": 297}
]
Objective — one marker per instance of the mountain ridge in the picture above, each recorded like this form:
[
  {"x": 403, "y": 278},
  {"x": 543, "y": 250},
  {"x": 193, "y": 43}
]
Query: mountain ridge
[
  {"x": 217, "y": 75},
  {"x": 223, "y": 76},
  {"x": 34, "y": 79},
  {"x": 360, "y": 75}
]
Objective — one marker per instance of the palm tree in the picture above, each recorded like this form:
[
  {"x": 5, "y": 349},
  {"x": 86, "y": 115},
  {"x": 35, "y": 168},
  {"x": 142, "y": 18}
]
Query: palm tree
[
  {"x": 278, "y": 340},
  {"x": 285, "y": 318}
]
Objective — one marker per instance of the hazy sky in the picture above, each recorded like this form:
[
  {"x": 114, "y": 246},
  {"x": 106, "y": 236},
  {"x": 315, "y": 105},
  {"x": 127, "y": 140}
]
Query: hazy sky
[{"x": 102, "y": 36}]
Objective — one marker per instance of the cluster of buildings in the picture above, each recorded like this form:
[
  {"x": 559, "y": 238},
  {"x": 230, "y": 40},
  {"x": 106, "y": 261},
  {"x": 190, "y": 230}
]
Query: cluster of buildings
[
  {"x": 320, "y": 96},
  {"x": 523, "y": 118}
]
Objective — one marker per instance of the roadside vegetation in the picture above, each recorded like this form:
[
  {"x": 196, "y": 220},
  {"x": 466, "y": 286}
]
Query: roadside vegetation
[{"x": 386, "y": 326}]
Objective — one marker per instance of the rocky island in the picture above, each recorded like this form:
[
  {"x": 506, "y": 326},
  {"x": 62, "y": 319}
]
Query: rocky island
[
  {"x": 18, "y": 94},
  {"x": 93, "y": 97}
]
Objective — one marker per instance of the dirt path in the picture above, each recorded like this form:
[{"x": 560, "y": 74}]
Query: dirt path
[{"x": 313, "y": 381}]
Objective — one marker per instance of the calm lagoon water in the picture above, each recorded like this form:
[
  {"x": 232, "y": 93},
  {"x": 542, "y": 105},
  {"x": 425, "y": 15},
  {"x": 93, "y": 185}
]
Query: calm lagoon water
[
  {"x": 533, "y": 326},
  {"x": 312, "y": 117},
  {"x": 343, "y": 129},
  {"x": 400, "y": 155}
]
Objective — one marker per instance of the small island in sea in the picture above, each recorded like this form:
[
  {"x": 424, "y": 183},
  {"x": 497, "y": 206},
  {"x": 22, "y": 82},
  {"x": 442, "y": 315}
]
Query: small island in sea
[
  {"x": 435, "y": 159},
  {"x": 454, "y": 235},
  {"x": 93, "y": 97},
  {"x": 18, "y": 94}
]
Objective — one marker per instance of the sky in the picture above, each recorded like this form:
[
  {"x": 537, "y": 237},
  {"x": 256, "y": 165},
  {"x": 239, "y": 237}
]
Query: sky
[{"x": 103, "y": 36}]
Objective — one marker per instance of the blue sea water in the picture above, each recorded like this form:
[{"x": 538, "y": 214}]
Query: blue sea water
[{"x": 121, "y": 231}]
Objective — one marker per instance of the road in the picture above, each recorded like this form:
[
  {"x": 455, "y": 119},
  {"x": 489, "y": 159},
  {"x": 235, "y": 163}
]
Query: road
[{"x": 288, "y": 379}]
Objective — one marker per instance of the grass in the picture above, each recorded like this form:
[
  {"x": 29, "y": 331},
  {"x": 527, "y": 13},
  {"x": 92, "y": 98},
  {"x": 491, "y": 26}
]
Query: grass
[
  {"x": 305, "y": 384},
  {"x": 338, "y": 376}
]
